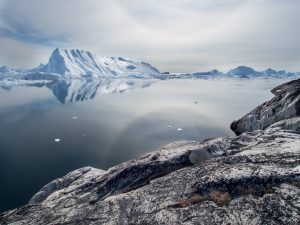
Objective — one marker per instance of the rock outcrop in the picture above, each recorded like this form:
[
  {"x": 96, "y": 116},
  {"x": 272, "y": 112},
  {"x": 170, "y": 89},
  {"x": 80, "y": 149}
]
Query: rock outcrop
[
  {"x": 285, "y": 105},
  {"x": 253, "y": 178}
]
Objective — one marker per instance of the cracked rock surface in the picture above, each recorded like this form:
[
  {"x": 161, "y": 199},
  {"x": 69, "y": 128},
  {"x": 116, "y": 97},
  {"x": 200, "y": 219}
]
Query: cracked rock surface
[{"x": 253, "y": 178}]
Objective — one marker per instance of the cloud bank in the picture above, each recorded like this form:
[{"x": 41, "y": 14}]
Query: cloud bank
[{"x": 173, "y": 35}]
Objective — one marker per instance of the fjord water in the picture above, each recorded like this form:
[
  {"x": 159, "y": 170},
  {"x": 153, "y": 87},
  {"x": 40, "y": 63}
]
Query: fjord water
[{"x": 50, "y": 130}]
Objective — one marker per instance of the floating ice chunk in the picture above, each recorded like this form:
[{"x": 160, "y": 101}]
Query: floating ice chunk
[
  {"x": 74, "y": 117},
  {"x": 179, "y": 129},
  {"x": 57, "y": 140}
]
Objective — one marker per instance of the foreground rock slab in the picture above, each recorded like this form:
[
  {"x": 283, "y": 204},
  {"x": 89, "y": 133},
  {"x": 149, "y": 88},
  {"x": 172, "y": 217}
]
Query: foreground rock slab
[{"x": 253, "y": 178}]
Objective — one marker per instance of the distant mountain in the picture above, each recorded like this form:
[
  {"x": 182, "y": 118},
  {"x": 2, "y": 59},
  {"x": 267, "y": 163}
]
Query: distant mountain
[
  {"x": 271, "y": 72},
  {"x": 207, "y": 73},
  {"x": 238, "y": 72},
  {"x": 247, "y": 72},
  {"x": 79, "y": 63},
  {"x": 243, "y": 71},
  {"x": 4, "y": 69},
  {"x": 200, "y": 75},
  {"x": 7, "y": 70}
]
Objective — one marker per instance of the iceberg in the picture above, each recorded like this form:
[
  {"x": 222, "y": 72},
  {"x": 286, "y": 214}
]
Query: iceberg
[{"x": 79, "y": 63}]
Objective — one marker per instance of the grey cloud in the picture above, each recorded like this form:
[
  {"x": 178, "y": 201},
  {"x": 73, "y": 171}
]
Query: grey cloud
[{"x": 174, "y": 35}]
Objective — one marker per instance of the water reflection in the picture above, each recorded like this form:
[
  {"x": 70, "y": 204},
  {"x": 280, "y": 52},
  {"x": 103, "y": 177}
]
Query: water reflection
[
  {"x": 76, "y": 90},
  {"x": 81, "y": 90},
  {"x": 110, "y": 129}
]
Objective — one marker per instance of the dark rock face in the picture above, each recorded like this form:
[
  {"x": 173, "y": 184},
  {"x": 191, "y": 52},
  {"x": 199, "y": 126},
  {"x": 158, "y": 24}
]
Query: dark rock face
[
  {"x": 253, "y": 178},
  {"x": 285, "y": 105}
]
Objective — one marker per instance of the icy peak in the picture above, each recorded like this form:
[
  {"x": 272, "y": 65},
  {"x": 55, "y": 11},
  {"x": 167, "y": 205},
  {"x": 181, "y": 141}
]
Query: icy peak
[
  {"x": 242, "y": 70},
  {"x": 80, "y": 63}
]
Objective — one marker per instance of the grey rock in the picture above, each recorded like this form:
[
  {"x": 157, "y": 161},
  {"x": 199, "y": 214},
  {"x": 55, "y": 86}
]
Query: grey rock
[
  {"x": 253, "y": 178},
  {"x": 77, "y": 177},
  {"x": 289, "y": 124},
  {"x": 285, "y": 105}
]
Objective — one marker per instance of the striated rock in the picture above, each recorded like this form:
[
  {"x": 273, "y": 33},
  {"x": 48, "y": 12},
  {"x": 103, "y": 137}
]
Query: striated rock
[
  {"x": 253, "y": 178},
  {"x": 285, "y": 104}
]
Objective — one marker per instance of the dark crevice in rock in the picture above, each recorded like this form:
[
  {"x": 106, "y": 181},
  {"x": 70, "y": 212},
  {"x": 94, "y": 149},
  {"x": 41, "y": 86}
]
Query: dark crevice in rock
[
  {"x": 134, "y": 177},
  {"x": 264, "y": 159},
  {"x": 220, "y": 198},
  {"x": 297, "y": 107},
  {"x": 241, "y": 185}
]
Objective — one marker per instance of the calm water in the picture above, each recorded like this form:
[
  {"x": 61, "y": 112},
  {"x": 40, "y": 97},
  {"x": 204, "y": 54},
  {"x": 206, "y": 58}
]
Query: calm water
[{"x": 103, "y": 123}]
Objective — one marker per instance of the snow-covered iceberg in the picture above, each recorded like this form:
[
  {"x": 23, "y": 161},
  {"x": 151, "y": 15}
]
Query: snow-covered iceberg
[{"x": 79, "y": 63}]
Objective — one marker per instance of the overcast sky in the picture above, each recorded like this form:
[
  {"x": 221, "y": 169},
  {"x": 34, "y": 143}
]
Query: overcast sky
[{"x": 173, "y": 35}]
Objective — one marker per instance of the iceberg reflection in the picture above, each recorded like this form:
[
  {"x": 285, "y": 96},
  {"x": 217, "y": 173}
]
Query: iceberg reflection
[
  {"x": 81, "y": 90},
  {"x": 75, "y": 90}
]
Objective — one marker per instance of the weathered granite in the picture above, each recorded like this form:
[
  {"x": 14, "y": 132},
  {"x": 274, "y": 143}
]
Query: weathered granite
[
  {"x": 285, "y": 105},
  {"x": 253, "y": 178}
]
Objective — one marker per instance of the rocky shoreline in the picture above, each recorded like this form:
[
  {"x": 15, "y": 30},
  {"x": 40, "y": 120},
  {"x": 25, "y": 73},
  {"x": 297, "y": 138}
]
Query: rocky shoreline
[{"x": 253, "y": 178}]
